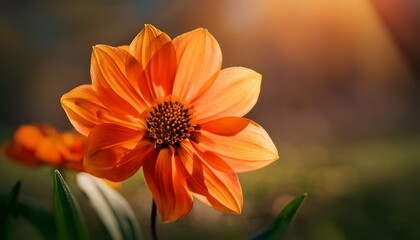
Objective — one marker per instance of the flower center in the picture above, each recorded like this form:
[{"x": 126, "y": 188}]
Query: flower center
[{"x": 169, "y": 122}]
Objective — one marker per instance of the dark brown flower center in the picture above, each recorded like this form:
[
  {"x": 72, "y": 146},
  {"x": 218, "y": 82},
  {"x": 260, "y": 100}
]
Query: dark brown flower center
[{"x": 169, "y": 122}]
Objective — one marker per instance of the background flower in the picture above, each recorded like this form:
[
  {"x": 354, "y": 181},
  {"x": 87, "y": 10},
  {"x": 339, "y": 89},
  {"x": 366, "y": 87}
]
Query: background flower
[{"x": 42, "y": 144}]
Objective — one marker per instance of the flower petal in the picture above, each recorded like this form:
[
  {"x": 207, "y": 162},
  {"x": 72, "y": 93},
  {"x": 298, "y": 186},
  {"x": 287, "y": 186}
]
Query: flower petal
[
  {"x": 110, "y": 84},
  {"x": 161, "y": 70},
  {"x": 199, "y": 62},
  {"x": 147, "y": 43},
  {"x": 48, "y": 151},
  {"x": 221, "y": 190},
  {"x": 72, "y": 146},
  {"x": 168, "y": 185},
  {"x": 19, "y": 154},
  {"x": 213, "y": 159},
  {"x": 124, "y": 47},
  {"x": 28, "y": 136},
  {"x": 85, "y": 111},
  {"x": 115, "y": 152},
  {"x": 234, "y": 93},
  {"x": 138, "y": 75},
  {"x": 141, "y": 50},
  {"x": 155, "y": 79},
  {"x": 242, "y": 143}
]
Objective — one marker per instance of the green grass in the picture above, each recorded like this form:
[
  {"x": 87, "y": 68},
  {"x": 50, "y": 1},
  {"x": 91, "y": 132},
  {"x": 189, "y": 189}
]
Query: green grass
[{"x": 356, "y": 190}]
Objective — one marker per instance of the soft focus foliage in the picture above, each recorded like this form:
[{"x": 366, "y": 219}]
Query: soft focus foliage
[
  {"x": 69, "y": 220},
  {"x": 112, "y": 209},
  {"x": 279, "y": 226},
  {"x": 9, "y": 212}
]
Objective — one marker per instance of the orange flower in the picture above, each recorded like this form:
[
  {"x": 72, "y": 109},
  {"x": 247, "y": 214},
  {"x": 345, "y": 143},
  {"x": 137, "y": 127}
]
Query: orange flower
[
  {"x": 166, "y": 105},
  {"x": 43, "y": 144}
]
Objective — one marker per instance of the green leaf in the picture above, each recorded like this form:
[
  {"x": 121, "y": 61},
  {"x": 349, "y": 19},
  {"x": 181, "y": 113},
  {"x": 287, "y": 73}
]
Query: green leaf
[
  {"x": 37, "y": 216},
  {"x": 68, "y": 219},
  {"x": 113, "y": 210},
  {"x": 276, "y": 229},
  {"x": 9, "y": 208},
  {"x": 40, "y": 218}
]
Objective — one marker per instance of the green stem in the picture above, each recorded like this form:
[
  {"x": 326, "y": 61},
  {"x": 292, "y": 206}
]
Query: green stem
[{"x": 153, "y": 220}]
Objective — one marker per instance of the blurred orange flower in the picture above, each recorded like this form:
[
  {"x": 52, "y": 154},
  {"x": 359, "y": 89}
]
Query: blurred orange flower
[
  {"x": 43, "y": 144},
  {"x": 166, "y": 105}
]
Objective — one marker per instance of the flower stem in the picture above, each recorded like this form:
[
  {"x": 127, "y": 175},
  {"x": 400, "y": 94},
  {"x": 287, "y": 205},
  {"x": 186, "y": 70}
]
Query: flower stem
[{"x": 153, "y": 220}]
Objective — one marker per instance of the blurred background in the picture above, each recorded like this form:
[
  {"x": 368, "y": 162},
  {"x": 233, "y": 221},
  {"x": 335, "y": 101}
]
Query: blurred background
[{"x": 340, "y": 97}]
